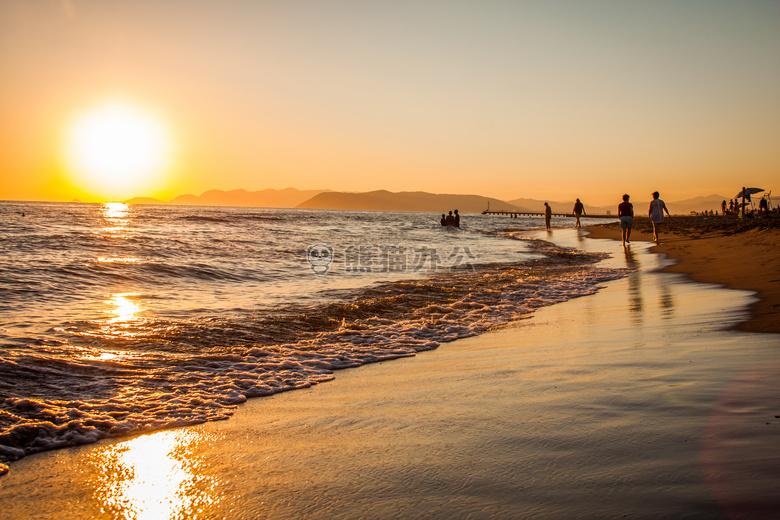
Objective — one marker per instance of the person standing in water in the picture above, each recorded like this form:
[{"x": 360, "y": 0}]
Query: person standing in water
[
  {"x": 626, "y": 214},
  {"x": 457, "y": 219},
  {"x": 657, "y": 208},
  {"x": 579, "y": 210},
  {"x": 547, "y": 215}
]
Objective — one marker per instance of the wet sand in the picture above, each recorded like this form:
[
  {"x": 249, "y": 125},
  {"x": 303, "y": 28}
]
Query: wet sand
[
  {"x": 636, "y": 402},
  {"x": 718, "y": 250}
]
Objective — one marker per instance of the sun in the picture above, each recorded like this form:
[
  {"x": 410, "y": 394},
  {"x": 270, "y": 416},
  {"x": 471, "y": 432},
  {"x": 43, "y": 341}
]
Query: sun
[{"x": 117, "y": 150}]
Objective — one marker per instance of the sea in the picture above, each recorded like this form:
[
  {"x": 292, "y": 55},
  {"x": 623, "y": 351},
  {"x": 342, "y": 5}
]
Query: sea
[{"x": 119, "y": 319}]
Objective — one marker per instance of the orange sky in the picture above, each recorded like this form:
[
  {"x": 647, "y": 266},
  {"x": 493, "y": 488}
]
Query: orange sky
[{"x": 543, "y": 99}]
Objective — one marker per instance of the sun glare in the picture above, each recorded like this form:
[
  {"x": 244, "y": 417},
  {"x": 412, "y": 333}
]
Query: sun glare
[
  {"x": 117, "y": 151},
  {"x": 156, "y": 476}
]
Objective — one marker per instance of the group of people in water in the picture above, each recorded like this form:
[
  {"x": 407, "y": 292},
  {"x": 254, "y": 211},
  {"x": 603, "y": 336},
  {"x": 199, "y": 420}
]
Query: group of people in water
[{"x": 451, "y": 220}]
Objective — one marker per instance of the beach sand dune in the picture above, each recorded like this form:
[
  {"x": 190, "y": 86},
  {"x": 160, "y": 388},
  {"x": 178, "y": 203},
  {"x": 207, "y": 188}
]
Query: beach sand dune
[{"x": 636, "y": 402}]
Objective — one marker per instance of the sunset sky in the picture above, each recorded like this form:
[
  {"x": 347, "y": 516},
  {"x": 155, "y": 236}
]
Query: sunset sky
[{"x": 551, "y": 99}]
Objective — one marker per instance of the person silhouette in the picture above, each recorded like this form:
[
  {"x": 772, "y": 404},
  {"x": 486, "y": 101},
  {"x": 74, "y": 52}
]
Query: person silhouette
[
  {"x": 656, "y": 212},
  {"x": 457, "y": 219},
  {"x": 579, "y": 210},
  {"x": 547, "y": 215},
  {"x": 450, "y": 220},
  {"x": 626, "y": 215}
]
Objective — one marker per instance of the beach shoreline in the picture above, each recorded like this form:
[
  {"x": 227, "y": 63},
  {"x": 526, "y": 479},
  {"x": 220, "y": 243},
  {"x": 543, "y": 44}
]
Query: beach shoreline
[
  {"x": 635, "y": 401},
  {"x": 722, "y": 251}
]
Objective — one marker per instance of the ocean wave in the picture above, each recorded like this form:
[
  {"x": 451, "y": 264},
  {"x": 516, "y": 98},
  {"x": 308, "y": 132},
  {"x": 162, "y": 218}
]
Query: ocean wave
[
  {"x": 206, "y": 218},
  {"x": 226, "y": 216},
  {"x": 160, "y": 373}
]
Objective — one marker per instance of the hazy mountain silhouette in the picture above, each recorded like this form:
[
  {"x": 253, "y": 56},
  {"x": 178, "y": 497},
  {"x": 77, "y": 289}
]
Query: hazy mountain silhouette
[
  {"x": 537, "y": 206},
  {"x": 144, "y": 200},
  {"x": 383, "y": 200},
  {"x": 286, "y": 198},
  {"x": 698, "y": 204}
]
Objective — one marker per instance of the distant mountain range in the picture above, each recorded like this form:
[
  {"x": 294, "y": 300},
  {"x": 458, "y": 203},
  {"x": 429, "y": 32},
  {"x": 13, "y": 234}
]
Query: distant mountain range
[
  {"x": 419, "y": 201},
  {"x": 434, "y": 202},
  {"x": 383, "y": 200},
  {"x": 286, "y": 198}
]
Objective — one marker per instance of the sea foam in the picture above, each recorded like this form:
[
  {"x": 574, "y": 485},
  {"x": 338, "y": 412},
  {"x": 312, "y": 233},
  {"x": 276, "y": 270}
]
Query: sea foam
[{"x": 183, "y": 373}]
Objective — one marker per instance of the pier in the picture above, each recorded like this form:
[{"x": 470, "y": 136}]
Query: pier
[{"x": 515, "y": 214}]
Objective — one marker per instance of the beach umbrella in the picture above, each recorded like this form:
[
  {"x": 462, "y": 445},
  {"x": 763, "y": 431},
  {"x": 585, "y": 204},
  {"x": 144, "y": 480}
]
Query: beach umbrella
[{"x": 747, "y": 192}]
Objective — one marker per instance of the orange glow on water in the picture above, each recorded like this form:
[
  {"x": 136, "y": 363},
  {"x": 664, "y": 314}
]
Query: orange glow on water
[
  {"x": 154, "y": 476},
  {"x": 116, "y": 211},
  {"x": 117, "y": 217},
  {"x": 125, "y": 309},
  {"x": 104, "y": 260}
]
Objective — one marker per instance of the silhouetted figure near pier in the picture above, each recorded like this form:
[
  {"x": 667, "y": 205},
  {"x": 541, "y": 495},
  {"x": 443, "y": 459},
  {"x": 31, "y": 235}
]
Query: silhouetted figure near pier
[
  {"x": 579, "y": 210},
  {"x": 547, "y": 215}
]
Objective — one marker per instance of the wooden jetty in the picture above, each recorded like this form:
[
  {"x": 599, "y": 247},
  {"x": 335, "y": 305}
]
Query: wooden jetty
[{"x": 515, "y": 214}]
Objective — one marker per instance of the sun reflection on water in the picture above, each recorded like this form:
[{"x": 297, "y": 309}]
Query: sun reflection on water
[
  {"x": 155, "y": 476},
  {"x": 117, "y": 216},
  {"x": 124, "y": 319},
  {"x": 115, "y": 210},
  {"x": 125, "y": 309},
  {"x": 114, "y": 260}
]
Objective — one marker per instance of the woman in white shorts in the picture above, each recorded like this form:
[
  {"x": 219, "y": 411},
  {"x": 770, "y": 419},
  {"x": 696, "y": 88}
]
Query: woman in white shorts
[{"x": 657, "y": 208}]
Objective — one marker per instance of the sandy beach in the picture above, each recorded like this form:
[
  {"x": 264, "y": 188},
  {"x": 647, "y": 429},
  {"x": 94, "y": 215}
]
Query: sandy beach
[
  {"x": 644, "y": 400},
  {"x": 719, "y": 250},
  {"x": 362, "y": 260}
]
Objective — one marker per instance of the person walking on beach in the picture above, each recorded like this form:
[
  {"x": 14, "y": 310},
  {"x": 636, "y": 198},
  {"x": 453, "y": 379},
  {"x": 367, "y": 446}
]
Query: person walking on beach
[
  {"x": 626, "y": 214},
  {"x": 657, "y": 208},
  {"x": 547, "y": 215},
  {"x": 579, "y": 210}
]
